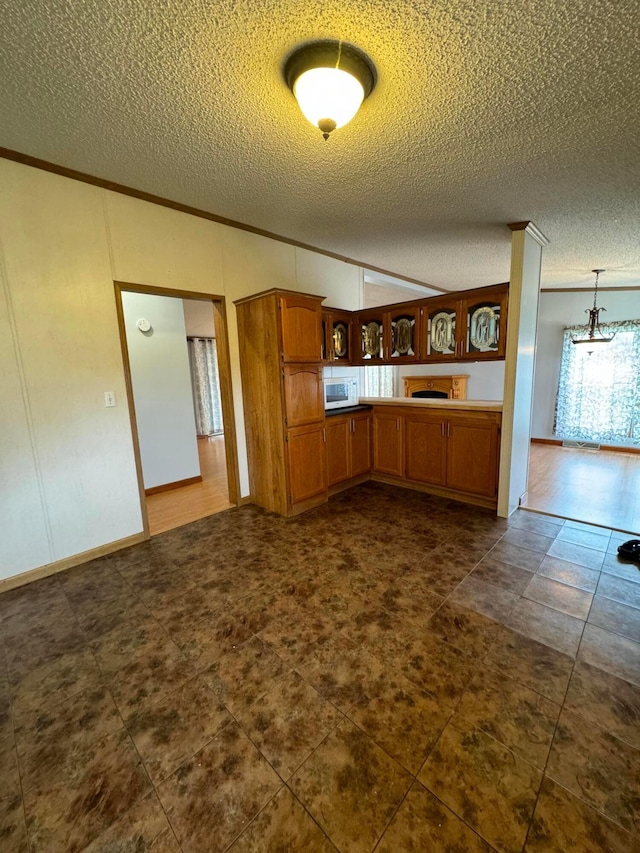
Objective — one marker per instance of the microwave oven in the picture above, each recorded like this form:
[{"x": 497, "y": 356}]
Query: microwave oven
[{"x": 340, "y": 392}]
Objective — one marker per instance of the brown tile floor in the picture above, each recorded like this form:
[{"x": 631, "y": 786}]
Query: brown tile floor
[{"x": 391, "y": 671}]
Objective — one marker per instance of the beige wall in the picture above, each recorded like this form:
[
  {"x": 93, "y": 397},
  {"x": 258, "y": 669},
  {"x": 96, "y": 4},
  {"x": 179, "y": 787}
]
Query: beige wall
[{"x": 68, "y": 480}]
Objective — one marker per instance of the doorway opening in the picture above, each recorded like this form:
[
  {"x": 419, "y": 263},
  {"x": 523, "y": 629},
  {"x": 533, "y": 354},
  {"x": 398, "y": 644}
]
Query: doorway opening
[{"x": 178, "y": 377}]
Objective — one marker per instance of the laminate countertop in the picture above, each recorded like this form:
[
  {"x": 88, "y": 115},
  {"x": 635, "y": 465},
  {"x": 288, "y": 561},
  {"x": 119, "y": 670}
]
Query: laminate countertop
[
  {"x": 347, "y": 410},
  {"x": 436, "y": 403}
]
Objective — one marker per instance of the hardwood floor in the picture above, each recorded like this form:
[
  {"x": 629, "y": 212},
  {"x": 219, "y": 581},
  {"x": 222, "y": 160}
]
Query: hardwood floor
[
  {"x": 189, "y": 503},
  {"x": 598, "y": 487}
]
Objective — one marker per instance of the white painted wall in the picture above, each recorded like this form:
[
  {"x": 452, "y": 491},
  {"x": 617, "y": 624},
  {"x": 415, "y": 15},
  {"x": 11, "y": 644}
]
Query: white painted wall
[
  {"x": 198, "y": 318},
  {"x": 67, "y": 461},
  {"x": 68, "y": 481},
  {"x": 485, "y": 382},
  {"x": 162, "y": 393},
  {"x": 524, "y": 290},
  {"x": 558, "y": 310}
]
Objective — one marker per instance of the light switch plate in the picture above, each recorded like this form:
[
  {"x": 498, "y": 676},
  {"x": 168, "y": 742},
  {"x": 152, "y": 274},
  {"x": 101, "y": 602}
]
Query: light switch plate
[{"x": 109, "y": 398}]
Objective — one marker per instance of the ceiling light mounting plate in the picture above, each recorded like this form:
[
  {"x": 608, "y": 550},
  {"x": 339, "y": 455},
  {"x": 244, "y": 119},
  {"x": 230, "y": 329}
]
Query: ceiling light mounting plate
[
  {"x": 329, "y": 79},
  {"x": 326, "y": 54}
]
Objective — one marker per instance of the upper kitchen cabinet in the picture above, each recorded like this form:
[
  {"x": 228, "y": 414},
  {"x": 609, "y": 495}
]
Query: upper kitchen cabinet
[
  {"x": 336, "y": 336},
  {"x": 440, "y": 329},
  {"x": 484, "y": 315},
  {"x": 402, "y": 326},
  {"x": 470, "y": 327},
  {"x": 371, "y": 326},
  {"x": 301, "y": 325},
  {"x": 390, "y": 335}
]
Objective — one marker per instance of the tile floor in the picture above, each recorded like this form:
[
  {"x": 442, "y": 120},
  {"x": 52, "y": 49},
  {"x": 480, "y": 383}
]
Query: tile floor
[{"x": 392, "y": 672}]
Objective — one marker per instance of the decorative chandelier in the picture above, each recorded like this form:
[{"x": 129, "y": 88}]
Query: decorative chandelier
[
  {"x": 330, "y": 79},
  {"x": 593, "y": 334}
]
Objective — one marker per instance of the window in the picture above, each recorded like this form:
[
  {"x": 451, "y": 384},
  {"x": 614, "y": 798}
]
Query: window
[
  {"x": 599, "y": 394},
  {"x": 378, "y": 381}
]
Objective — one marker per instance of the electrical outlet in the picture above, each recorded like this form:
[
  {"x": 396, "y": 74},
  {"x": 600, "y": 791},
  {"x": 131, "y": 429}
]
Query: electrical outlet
[{"x": 109, "y": 398}]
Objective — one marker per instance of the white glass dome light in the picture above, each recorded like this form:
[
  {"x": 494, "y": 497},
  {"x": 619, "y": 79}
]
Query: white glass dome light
[{"x": 330, "y": 80}]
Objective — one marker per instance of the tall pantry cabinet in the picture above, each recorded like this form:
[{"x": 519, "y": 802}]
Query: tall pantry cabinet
[{"x": 280, "y": 335}]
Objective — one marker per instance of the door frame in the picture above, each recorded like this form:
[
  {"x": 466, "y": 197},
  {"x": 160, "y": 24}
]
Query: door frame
[{"x": 224, "y": 372}]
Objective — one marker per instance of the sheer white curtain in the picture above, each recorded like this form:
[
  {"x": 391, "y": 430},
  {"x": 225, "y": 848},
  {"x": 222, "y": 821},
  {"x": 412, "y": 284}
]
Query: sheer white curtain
[
  {"x": 378, "y": 381},
  {"x": 599, "y": 394},
  {"x": 206, "y": 385}
]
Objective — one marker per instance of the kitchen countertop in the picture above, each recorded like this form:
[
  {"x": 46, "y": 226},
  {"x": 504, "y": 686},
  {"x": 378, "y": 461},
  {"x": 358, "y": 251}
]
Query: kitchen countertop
[
  {"x": 347, "y": 410},
  {"x": 422, "y": 403}
]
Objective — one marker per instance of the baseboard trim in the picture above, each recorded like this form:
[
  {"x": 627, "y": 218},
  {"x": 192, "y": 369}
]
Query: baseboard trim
[
  {"x": 177, "y": 484},
  {"x": 69, "y": 562},
  {"x": 615, "y": 448},
  {"x": 348, "y": 484}
]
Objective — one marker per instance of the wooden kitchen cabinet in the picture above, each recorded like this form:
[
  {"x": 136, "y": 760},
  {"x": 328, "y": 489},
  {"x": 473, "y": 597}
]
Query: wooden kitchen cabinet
[
  {"x": 360, "y": 444},
  {"x": 387, "y": 443},
  {"x": 471, "y": 327},
  {"x": 280, "y": 359},
  {"x": 454, "y": 449},
  {"x": 371, "y": 336},
  {"x": 338, "y": 451},
  {"x": 440, "y": 337},
  {"x": 337, "y": 336},
  {"x": 402, "y": 330},
  {"x": 426, "y": 448},
  {"x": 484, "y": 316},
  {"x": 306, "y": 464},
  {"x": 303, "y": 392},
  {"x": 301, "y": 327},
  {"x": 472, "y": 455},
  {"x": 452, "y": 452},
  {"x": 348, "y": 447}
]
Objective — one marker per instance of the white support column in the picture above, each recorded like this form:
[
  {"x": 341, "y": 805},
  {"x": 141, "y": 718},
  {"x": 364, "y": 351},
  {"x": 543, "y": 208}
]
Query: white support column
[{"x": 524, "y": 292}]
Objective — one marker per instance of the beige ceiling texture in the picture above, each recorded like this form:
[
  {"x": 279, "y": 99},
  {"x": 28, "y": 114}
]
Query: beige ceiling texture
[{"x": 486, "y": 112}]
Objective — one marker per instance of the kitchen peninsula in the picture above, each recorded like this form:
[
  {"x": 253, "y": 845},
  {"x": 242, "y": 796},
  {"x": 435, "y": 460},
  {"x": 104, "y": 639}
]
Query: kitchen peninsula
[{"x": 446, "y": 447}]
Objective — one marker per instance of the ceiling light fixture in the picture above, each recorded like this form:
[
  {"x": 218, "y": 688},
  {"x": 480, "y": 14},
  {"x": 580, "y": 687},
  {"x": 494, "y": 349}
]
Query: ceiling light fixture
[
  {"x": 593, "y": 334},
  {"x": 330, "y": 80}
]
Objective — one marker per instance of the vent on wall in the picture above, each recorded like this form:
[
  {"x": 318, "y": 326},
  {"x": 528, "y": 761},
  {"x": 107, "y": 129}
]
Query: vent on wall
[{"x": 583, "y": 445}]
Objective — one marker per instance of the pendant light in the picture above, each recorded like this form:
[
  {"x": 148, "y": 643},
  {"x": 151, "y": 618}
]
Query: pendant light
[
  {"x": 330, "y": 79},
  {"x": 593, "y": 334}
]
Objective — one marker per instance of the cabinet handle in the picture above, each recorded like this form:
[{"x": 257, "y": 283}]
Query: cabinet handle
[
  {"x": 448, "y": 430},
  {"x": 442, "y": 429},
  {"x": 398, "y": 424},
  {"x": 324, "y": 434}
]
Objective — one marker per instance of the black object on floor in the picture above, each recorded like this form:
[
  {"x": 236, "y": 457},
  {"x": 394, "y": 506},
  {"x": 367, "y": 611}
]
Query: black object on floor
[{"x": 630, "y": 550}]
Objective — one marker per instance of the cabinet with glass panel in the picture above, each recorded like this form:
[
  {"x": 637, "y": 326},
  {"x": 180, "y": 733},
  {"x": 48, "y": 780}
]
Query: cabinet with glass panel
[
  {"x": 470, "y": 328},
  {"x": 390, "y": 336},
  {"x": 371, "y": 331},
  {"x": 336, "y": 336}
]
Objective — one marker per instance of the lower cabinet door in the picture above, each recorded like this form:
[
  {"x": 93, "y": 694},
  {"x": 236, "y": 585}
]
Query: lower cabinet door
[
  {"x": 303, "y": 394},
  {"x": 472, "y": 456},
  {"x": 387, "y": 444},
  {"x": 425, "y": 449},
  {"x": 338, "y": 437},
  {"x": 306, "y": 454},
  {"x": 360, "y": 445}
]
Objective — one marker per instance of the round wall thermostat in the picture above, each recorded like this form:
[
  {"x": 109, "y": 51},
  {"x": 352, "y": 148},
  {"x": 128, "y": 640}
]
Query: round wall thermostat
[{"x": 143, "y": 325}]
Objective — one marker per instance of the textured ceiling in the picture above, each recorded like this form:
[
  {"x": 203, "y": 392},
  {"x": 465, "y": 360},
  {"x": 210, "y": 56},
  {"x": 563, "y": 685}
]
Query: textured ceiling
[{"x": 486, "y": 112}]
